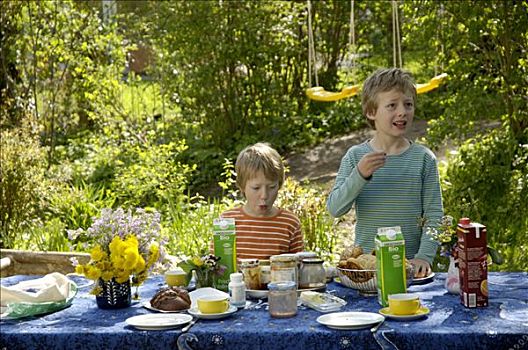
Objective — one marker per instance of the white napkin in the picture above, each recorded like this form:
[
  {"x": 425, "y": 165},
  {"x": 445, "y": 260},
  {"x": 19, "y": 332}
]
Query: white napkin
[{"x": 52, "y": 287}]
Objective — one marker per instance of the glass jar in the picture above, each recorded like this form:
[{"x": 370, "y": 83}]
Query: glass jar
[
  {"x": 282, "y": 299},
  {"x": 251, "y": 271},
  {"x": 304, "y": 255},
  {"x": 265, "y": 273},
  {"x": 284, "y": 268},
  {"x": 312, "y": 274}
]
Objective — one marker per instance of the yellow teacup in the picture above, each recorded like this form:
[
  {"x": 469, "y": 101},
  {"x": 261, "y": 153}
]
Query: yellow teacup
[
  {"x": 176, "y": 278},
  {"x": 213, "y": 304},
  {"x": 404, "y": 304}
]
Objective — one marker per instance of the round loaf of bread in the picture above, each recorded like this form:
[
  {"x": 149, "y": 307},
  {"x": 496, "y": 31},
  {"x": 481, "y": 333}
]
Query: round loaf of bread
[{"x": 171, "y": 299}]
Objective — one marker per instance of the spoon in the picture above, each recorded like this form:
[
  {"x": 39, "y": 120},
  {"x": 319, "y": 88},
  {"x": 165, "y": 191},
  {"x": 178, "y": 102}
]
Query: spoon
[
  {"x": 186, "y": 328},
  {"x": 375, "y": 328}
]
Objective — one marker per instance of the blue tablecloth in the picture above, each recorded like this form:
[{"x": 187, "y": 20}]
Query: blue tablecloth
[{"x": 501, "y": 325}]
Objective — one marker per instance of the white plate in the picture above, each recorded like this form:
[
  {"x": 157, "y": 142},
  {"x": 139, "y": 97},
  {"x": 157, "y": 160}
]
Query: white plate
[
  {"x": 424, "y": 280},
  {"x": 263, "y": 293},
  {"x": 147, "y": 305},
  {"x": 150, "y": 322},
  {"x": 257, "y": 293},
  {"x": 350, "y": 320},
  {"x": 420, "y": 313},
  {"x": 195, "y": 312}
]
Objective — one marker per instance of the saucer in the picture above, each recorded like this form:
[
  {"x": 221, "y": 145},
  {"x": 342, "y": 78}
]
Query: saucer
[
  {"x": 197, "y": 313},
  {"x": 424, "y": 280},
  {"x": 423, "y": 311}
]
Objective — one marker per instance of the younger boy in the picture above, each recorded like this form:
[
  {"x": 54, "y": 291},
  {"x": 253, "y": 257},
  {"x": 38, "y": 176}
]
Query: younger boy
[
  {"x": 262, "y": 229},
  {"x": 391, "y": 180}
]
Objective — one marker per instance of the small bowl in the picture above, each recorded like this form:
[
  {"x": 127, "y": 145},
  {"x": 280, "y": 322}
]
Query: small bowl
[{"x": 365, "y": 281}]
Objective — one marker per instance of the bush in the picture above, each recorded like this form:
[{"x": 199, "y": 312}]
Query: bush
[
  {"x": 22, "y": 182},
  {"x": 487, "y": 181}
]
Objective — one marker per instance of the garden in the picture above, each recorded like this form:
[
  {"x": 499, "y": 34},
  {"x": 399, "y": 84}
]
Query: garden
[{"x": 146, "y": 104}]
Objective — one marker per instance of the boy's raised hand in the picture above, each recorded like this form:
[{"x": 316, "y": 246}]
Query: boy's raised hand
[{"x": 370, "y": 163}]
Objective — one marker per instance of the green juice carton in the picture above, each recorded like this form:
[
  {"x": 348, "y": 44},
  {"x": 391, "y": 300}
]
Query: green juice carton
[
  {"x": 224, "y": 241},
  {"x": 390, "y": 259}
]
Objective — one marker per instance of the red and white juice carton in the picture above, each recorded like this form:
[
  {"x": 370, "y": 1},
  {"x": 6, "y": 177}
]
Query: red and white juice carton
[{"x": 472, "y": 263}]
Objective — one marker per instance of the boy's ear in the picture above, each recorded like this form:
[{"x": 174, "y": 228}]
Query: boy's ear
[{"x": 371, "y": 116}]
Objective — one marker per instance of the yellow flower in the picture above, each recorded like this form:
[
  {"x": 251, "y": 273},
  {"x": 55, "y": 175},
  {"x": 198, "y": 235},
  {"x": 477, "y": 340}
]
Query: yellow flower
[
  {"x": 197, "y": 261},
  {"x": 92, "y": 272},
  {"x": 97, "y": 253},
  {"x": 107, "y": 275}
]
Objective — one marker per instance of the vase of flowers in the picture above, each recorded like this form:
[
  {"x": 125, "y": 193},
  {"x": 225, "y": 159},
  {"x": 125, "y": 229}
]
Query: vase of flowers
[
  {"x": 113, "y": 295},
  {"x": 206, "y": 269},
  {"x": 125, "y": 246}
]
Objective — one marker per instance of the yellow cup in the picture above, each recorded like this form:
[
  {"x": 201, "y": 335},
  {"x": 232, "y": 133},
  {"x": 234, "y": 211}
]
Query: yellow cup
[
  {"x": 176, "y": 278},
  {"x": 404, "y": 304},
  {"x": 213, "y": 304}
]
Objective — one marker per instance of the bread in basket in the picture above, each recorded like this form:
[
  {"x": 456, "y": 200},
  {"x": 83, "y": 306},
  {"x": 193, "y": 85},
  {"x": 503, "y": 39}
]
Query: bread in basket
[{"x": 357, "y": 270}]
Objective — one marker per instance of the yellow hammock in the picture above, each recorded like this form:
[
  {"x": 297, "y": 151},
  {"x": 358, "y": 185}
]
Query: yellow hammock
[{"x": 318, "y": 93}]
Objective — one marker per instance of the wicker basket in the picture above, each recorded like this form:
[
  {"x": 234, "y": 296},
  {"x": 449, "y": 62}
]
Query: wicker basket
[{"x": 365, "y": 281}]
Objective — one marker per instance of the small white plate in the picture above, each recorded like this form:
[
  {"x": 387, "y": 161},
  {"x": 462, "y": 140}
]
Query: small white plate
[
  {"x": 350, "y": 320},
  {"x": 257, "y": 293},
  {"x": 263, "y": 293},
  {"x": 195, "y": 312},
  {"x": 422, "y": 312},
  {"x": 151, "y": 322},
  {"x": 147, "y": 305},
  {"x": 424, "y": 280}
]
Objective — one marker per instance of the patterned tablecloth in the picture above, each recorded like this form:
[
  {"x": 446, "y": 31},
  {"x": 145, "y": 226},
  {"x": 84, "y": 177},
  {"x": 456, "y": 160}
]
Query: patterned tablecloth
[{"x": 501, "y": 325}]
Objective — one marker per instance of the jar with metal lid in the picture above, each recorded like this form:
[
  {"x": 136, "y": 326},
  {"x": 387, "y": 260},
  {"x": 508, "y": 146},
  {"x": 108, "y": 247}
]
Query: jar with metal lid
[
  {"x": 282, "y": 299},
  {"x": 312, "y": 274},
  {"x": 284, "y": 268},
  {"x": 251, "y": 270},
  {"x": 265, "y": 273}
]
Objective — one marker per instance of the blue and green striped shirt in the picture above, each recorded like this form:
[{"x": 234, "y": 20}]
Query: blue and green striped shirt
[{"x": 404, "y": 192}]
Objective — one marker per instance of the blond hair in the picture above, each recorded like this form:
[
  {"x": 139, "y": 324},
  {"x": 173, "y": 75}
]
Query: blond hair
[
  {"x": 258, "y": 157},
  {"x": 384, "y": 80}
]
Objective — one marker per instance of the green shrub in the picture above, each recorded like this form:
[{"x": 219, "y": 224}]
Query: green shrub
[
  {"x": 487, "y": 181},
  {"x": 22, "y": 182},
  {"x": 321, "y": 234}
]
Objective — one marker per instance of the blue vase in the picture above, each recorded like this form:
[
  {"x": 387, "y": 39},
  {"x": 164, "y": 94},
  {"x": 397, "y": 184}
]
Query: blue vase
[{"x": 113, "y": 295}]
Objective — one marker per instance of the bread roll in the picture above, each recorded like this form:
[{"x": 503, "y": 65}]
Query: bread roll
[{"x": 171, "y": 299}]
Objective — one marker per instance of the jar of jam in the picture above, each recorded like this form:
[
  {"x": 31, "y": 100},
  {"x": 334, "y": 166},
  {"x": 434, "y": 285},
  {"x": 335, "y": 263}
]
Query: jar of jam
[
  {"x": 282, "y": 299},
  {"x": 251, "y": 271},
  {"x": 312, "y": 274},
  {"x": 265, "y": 273},
  {"x": 284, "y": 268}
]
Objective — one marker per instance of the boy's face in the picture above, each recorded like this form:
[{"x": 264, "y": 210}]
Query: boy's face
[
  {"x": 394, "y": 114},
  {"x": 260, "y": 194}
]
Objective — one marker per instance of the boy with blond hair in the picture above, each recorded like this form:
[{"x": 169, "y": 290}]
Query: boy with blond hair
[
  {"x": 262, "y": 229},
  {"x": 390, "y": 180}
]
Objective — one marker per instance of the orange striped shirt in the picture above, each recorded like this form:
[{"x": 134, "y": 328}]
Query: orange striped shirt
[{"x": 262, "y": 237}]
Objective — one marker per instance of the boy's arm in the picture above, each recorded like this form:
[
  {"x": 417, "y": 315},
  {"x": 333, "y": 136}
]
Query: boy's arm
[
  {"x": 347, "y": 187},
  {"x": 432, "y": 210}
]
